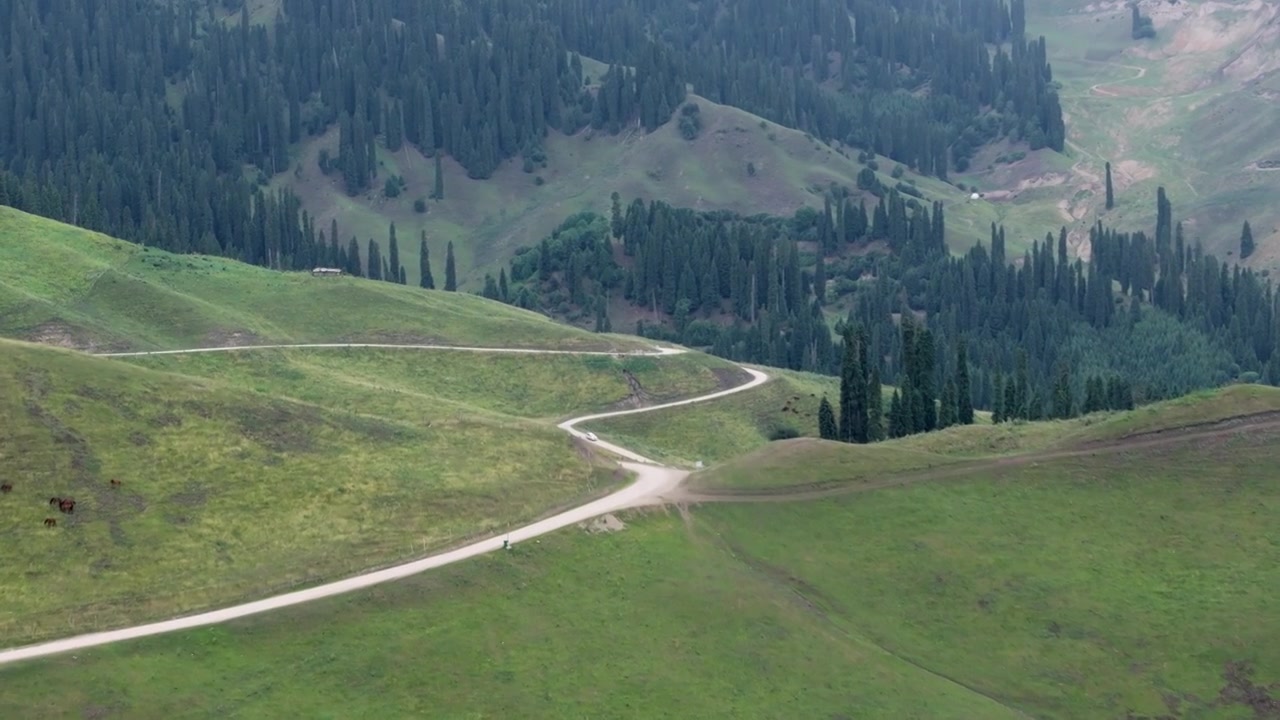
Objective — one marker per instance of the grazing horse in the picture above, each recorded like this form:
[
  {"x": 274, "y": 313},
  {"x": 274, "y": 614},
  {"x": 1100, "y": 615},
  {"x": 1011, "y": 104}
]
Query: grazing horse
[
  {"x": 67, "y": 505},
  {"x": 50, "y": 522},
  {"x": 115, "y": 483},
  {"x": 55, "y": 500},
  {"x": 7, "y": 487}
]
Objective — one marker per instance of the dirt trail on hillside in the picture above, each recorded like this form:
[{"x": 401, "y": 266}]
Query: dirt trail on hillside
[{"x": 1259, "y": 422}]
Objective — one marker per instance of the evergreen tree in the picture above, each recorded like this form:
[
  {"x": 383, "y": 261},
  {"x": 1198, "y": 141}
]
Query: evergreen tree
[
  {"x": 450, "y": 270},
  {"x": 964, "y": 393},
  {"x": 897, "y": 416},
  {"x": 875, "y": 405},
  {"x": 853, "y": 390},
  {"x": 1093, "y": 395},
  {"x": 393, "y": 252},
  {"x": 947, "y": 415},
  {"x": 353, "y": 257},
  {"x": 438, "y": 192},
  {"x": 1062, "y": 404},
  {"x": 997, "y": 400},
  {"x": 374, "y": 259},
  {"x": 1246, "y": 241},
  {"x": 827, "y": 429},
  {"x": 1111, "y": 196},
  {"x": 424, "y": 265}
]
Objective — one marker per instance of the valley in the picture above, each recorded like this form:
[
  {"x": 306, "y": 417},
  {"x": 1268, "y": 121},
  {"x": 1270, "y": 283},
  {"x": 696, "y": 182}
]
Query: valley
[{"x": 651, "y": 358}]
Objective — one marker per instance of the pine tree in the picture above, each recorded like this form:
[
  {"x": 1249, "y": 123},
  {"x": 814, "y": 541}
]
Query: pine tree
[
  {"x": 424, "y": 265},
  {"x": 827, "y": 429},
  {"x": 1062, "y": 405},
  {"x": 450, "y": 270},
  {"x": 1246, "y": 241},
  {"x": 947, "y": 415},
  {"x": 1093, "y": 395},
  {"x": 997, "y": 400},
  {"x": 438, "y": 192},
  {"x": 504, "y": 289},
  {"x": 897, "y": 416},
  {"x": 964, "y": 393},
  {"x": 393, "y": 252},
  {"x": 374, "y": 260},
  {"x": 875, "y": 405},
  {"x": 1111, "y": 196},
  {"x": 353, "y": 257},
  {"x": 853, "y": 389}
]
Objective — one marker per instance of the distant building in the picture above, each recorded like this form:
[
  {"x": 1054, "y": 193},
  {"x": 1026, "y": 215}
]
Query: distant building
[{"x": 326, "y": 272}]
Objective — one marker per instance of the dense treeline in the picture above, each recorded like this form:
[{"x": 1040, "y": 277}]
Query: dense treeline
[
  {"x": 1148, "y": 319},
  {"x": 138, "y": 118},
  {"x": 850, "y": 71}
]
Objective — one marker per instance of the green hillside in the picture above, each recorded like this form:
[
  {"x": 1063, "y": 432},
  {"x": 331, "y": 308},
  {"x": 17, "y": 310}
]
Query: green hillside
[
  {"x": 66, "y": 286},
  {"x": 1129, "y": 578},
  {"x": 786, "y": 406},
  {"x": 488, "y": 220},
  {"x": 1191, "y": 110},
  {"x": 231, "y": 494}
]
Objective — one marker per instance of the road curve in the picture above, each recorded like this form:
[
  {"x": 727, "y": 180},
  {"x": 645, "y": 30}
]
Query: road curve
[{"x": 653, "y": 482}]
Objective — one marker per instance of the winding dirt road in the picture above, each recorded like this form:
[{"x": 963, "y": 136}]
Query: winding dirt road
[{"x": 653, "y": 485}]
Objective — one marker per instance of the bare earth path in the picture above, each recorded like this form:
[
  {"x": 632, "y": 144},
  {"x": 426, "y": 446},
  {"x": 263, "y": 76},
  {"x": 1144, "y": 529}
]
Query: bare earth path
[{"x": 653, "y": 484}]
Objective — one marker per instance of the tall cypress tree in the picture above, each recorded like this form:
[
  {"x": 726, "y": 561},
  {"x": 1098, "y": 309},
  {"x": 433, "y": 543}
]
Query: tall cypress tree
[
  {"x": 1111, "y": 195},
  {"x": 861, "y": 433},
  {"x": 424, "y": 265},
  {"x": 852, "y": 385},
  {"x": 964, "y": 393},
  {"x": 393, "y": 252},
  {"x": 997, "y": 399},
  {"x": 450, "y": 270},
  {"x": 947, "y": 406},
  {"x": 875, "y": 405},
  {"x": 1062, "y": 405},
  {"x": 374, "y": 260},
  {"x": 1246, "y": 241},
  {"x": 438, "y": 192},
  {"x": 827, "y": 429}
]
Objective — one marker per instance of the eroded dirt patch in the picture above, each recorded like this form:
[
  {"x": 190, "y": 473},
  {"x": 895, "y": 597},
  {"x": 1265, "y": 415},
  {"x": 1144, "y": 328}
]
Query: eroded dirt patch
[{"x": 604, "y": 524}]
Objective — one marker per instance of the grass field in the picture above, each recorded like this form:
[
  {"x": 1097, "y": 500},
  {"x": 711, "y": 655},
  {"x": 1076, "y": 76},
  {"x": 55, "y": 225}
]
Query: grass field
[
  {"x": 1089, "y": 586},
  {"x": 488, "y": 220},
  {"x": 811, "y": 462},
  {"x": 416, "y": 386},
  {"x": 62, "y": 285},
  {"x": 786, "y": 406},
  {"x": 229, "y": 494}
]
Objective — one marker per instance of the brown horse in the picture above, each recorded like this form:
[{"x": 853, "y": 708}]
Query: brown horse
[
  {"x": 67, "y": 505},
  {"x": 115, "y": 483},
  {"x": 50, "y": 522},
  {"x": 7, "y": 487},
  {"x": 54, "y": 500}
]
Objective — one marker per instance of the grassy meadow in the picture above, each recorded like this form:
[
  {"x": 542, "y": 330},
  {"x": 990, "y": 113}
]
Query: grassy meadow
[
  {"x": 230, "y": 493},
  {"x": 1095, "y": 585},
  {"x": 66, "y": 286},
  {"x": 786, "y": 406},
  {"x": 415, "y": 386}
]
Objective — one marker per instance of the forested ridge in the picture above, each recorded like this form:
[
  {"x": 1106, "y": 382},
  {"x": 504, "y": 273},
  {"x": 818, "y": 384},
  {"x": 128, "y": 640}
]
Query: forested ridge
[
  {"x": 1152, "y": 317},
  {"x": 160, "y": 123}
]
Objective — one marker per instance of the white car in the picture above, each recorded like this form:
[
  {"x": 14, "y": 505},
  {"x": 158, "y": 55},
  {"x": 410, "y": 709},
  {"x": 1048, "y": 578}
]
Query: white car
[{"x": 591, "y": 436}]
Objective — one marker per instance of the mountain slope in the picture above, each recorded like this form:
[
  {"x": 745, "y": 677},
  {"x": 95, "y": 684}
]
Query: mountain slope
[
  {"x": 1191, "y": 109},
  {"x": 63, "y": 285},
  {"x": 1133, "y": 580},
  {"x": 738, "y": 162}
]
